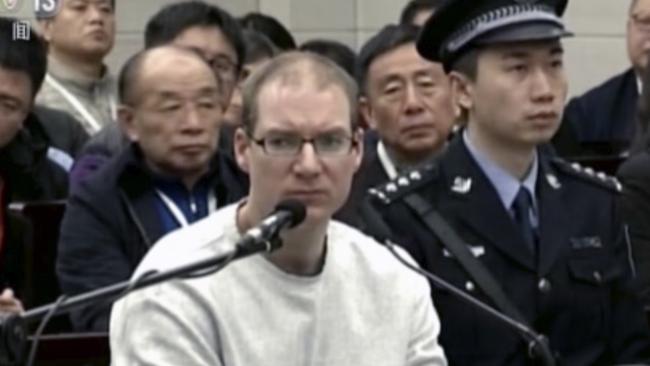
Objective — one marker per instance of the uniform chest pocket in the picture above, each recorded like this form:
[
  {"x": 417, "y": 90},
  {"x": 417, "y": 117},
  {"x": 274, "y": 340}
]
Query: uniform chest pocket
[{"x": 597, "y": 271}]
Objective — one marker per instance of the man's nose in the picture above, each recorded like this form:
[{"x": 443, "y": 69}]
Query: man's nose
[
  {"x": 95, "y": 14},
  {"x": 412, "y": 99},
  {"x": 308, "y": 162},
  {"x": 193, "y": 120},
  {"x": 542, "y": 86}
]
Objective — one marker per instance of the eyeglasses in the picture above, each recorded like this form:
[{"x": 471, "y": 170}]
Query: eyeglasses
[
  {"x": 289, "y": 145},
  {"x": 223, "y": 67},
  {"x": 226, "y": 68}
]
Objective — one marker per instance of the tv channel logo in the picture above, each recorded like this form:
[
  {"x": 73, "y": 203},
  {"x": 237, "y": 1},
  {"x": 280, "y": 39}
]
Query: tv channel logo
[
  {"x": 10, "y": 6},
  {"x": 42, "y": 8},
  {"x": 46, "y": 8}
]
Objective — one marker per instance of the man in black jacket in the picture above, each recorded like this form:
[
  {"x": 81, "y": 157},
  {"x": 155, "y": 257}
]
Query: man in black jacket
[
  {"x": 546, "y": 231},
  {"x": 635, "y": 206},
  {"x": 37, "y": 160},
  {"x": 36, "y": 147},
  {"x": 602, "y": 121},
  {"x": 169, "y": 177},
  {"x": 407, "y": 101},
  {"x": 37, "y": 144}
]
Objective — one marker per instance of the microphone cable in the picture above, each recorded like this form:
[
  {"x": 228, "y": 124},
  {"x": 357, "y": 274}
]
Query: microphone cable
[
  {"x": 50, "y": 314},
  {"x": 41, "y": 327},
  {"x": 534, "y": 340}
]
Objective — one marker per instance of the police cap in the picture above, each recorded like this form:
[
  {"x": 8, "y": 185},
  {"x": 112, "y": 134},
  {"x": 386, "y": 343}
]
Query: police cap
[{"x": 458, "y": 25}]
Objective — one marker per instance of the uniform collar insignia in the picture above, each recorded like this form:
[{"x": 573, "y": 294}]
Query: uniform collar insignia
[
  {"x": 553, "y": 181},
  {"x": 462, "y": 185}
]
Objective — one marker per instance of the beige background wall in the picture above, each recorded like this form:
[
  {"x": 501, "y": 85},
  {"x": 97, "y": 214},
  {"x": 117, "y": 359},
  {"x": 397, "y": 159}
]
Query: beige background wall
[{"x": 597, "y": 52}]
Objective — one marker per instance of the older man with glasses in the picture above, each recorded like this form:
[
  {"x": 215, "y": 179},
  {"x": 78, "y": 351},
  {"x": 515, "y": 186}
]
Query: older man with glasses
[
  {"x": 204, "y": 28},
  {"x": 169, "y": 176}
]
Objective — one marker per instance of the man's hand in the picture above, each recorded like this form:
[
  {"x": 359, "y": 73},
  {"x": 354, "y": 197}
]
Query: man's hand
[{"x": 9, "y": 303}]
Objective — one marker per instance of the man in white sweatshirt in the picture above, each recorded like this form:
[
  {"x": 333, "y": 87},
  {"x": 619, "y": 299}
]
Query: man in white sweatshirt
[{"x": 329, "y": 296}]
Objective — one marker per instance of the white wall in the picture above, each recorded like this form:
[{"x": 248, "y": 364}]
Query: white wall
[{"x": 595, "y": 53}]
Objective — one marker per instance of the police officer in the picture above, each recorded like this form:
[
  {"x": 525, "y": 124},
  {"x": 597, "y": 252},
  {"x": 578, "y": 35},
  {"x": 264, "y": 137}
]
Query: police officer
[{"x": 544, "y": 229}]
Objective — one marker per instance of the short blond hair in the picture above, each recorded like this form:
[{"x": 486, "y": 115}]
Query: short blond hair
[{"x": 297, "y": 68}]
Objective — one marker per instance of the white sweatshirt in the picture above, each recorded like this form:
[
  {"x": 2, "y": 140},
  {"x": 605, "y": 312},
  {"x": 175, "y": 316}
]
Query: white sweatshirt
[{"x": 364, "y": 308}]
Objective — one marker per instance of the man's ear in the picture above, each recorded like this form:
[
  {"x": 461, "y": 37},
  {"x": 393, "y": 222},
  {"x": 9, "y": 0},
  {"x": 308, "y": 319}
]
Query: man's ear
[
  {"x": 359, "y": 136},
  {"x": 366, "y": 112},
  {"x": 45, "y": 26},
  {"x": 242, "y": 147},
  {"x": 462, "y": 90},
  {"x": 126, "y": 119}
]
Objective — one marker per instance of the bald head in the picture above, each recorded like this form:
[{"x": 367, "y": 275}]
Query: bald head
[
  {"x": 171, "y": 109},
  {"x": 152, "y": 65}
]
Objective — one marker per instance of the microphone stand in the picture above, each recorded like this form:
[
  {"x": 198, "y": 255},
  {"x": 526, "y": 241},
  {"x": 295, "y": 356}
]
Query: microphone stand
[{"x": 13, "y": 328}]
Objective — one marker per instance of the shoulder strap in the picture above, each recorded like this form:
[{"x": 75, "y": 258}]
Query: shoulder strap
[
  {"x": 456, "y": 246},
  {"x": 587, "y": 174}
]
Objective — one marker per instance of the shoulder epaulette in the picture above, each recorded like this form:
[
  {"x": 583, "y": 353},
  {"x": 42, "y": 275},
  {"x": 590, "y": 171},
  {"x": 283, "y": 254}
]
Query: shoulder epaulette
[
  {"x": 402, "y": 185},
  {"x": 588, "y": 174}
]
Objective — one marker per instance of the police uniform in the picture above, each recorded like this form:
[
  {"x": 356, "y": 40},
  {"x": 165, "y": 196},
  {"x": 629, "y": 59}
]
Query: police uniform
[{"x": 574, "y": 285}]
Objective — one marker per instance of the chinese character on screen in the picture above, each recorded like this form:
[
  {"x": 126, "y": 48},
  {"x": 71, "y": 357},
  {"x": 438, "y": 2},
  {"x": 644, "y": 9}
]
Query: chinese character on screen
[{"x": 21, "y": 30}]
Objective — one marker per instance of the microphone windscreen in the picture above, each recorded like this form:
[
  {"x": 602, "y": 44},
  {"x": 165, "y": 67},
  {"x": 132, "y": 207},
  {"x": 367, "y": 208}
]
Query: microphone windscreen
[{"x": 296, "y": 209}]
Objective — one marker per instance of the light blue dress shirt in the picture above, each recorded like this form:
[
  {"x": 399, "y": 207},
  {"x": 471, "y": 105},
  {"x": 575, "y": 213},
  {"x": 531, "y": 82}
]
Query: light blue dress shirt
[{"x": 506, "y": 185}]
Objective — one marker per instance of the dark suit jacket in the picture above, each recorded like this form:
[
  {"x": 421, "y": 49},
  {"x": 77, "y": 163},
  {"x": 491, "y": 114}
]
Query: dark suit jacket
[
  {"x": 111, "y": 221},
  {"x": 635, "y": 206},
  {"x": 17, "y": 233},
  {"x": 578, "y": 293},
  {"x": 603, "y": 115}
]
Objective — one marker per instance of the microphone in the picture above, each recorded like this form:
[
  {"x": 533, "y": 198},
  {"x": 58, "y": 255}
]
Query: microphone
[{"x": 264, "y": 237}]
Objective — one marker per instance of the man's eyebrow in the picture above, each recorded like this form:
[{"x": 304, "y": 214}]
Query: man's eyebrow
[
  {"x": 334, "y": 130},
  {"x": 386, "y": 79},
  {"x": 220, "y": 56},
  {"x": 515, "y": 54},
  {"x": 165, "y": 95},
  {"x": 208, "y": 90},
  {"x": 424, "y": 72},
  {"x": 557, "y": 50},
  {"x": 169, "y": 94},
  {"x": 11, "y": 98}
]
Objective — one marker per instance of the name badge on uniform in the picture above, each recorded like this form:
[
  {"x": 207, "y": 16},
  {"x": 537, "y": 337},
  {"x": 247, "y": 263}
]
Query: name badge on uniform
[
  {"x": 477, "y": 251},
  {"x": 586, "y": 242}
]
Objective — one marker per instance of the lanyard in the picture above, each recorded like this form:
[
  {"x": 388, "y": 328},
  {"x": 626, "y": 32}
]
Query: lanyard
[
  {"x": 176, "y": 211},
  {"x": 76, "y": 104}
]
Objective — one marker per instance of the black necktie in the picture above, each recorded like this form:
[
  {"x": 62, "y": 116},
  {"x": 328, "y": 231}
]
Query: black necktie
[{"x": 521, "y": 208}]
